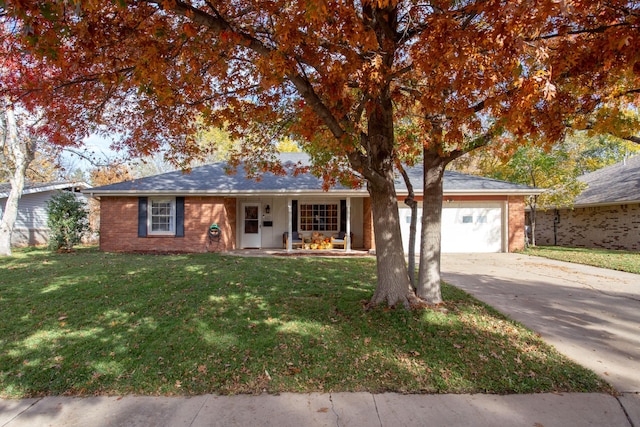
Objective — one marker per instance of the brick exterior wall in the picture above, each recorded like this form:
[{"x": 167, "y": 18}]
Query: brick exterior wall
[
  {"x": 609, "y": 227},
  {"x": 516, "y": 223},
  {"x": 119, "y": 226}
]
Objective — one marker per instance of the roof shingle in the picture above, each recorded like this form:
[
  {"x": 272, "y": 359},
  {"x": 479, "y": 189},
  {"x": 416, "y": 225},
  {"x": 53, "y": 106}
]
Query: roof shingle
[
  {"x": 619, "y": 183},
  {"x": 214, "y": 179}
]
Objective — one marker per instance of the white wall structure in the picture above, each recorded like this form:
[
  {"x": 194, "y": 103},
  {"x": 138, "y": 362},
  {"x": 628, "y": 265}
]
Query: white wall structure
[
  {"x": 31, "y": 224},
  {"x": 467, "y": 227}
]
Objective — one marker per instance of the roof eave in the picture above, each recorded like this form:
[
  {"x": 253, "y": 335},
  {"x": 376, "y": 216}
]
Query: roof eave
[
  {"x": 82, "y": 185},
  {"x": 285, "y": 192},
  {"x": 484, "y": 192},
  {"x": 230, "y": 193},
  {"x": 600, "y": 204}
]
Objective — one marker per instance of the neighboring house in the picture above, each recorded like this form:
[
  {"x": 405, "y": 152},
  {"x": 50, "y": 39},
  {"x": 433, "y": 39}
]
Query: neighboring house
[
  {"x": 172, "y": 212},
  {"x": 31, "y": 224},
  {"x": 605, "y": 215}
]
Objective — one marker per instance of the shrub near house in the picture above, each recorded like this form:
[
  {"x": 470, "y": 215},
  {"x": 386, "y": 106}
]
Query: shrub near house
[{"x": 68, "y": 220}]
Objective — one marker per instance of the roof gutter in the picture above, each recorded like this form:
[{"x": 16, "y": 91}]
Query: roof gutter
[
  {"x": 45, "y": 188},
  {"x": 289, "y": 192},
  {"x": 217, "y": 193},
  {"x": 600, "y": 204},
  {"x": 522, "y": 192}
]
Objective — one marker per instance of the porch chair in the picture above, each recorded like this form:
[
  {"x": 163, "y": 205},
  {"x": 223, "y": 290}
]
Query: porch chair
[
  {"x": 297, "y": 240},
  {"x": 339, "y": 240}
]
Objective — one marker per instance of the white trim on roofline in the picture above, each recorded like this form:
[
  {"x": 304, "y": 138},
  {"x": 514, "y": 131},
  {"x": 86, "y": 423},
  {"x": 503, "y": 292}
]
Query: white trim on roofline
[
  {"x": 597, "y": 205},
  {"x": 44, "y": 188},
  {"x": 494, "y": 192},
  {"x": 289, "y": 192},
  {"x": 228, "y": 193}
]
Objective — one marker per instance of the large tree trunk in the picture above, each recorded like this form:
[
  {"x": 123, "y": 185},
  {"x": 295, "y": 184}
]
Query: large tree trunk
[
  {"x": 20, "y": 154},
  {"x": 7, "y": 223},
  {"x": 429, "y": 272},
  {"x": 393, "y": 280}
]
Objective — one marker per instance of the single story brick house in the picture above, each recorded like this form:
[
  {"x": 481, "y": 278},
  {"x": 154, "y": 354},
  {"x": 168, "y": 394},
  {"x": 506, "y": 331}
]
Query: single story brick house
[
  {"x": 605, "y": 215},
  {"x": 31, "y": 223},
  {"x": 173, "y": 212}
]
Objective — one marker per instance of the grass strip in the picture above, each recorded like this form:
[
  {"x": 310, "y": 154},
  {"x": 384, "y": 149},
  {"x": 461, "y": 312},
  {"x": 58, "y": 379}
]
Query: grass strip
[
  {"x": 605, "y": 258},
  {"x": 93, "y": 323}
]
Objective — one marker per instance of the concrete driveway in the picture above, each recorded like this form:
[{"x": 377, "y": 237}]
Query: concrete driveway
[{"x": 590, "y": 314}]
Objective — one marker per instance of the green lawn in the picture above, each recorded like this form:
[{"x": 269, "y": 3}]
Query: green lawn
[
  {"x": 615, "y": 260},
  {"x": 92, "y": 323}
]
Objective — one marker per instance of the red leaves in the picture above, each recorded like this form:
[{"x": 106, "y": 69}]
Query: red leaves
[
  {"x": 189, "y": 29},
  {"x": 525, "y": 66}
]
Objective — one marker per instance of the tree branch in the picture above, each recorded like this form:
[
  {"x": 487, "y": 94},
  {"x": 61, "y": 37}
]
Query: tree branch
[
  {"x": 216, "y": 23},
  {"x": 477, "y": 142},
  {"x": 413, "y": 204},
  {"x": 597, "y": 30},
  {"x": 219, "y": 25},
  {"x": 305, "y": 88}
]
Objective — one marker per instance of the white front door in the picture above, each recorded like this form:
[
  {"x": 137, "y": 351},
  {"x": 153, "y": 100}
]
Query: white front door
[{"x": 250, "y": 234}]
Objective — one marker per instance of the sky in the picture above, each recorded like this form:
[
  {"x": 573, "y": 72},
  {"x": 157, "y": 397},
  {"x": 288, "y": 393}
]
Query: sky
[{"x": 94, "y": 147}]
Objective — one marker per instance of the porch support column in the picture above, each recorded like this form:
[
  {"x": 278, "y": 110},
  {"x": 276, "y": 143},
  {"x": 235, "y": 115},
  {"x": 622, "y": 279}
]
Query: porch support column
[
  {"x": 348, "y": 230},
  {"x": 289, "y": 224}
]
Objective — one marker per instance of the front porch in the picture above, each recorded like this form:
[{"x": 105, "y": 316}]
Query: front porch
[
  {"x": 265, "y": 222},
  {"x": 334, "y": 253}
]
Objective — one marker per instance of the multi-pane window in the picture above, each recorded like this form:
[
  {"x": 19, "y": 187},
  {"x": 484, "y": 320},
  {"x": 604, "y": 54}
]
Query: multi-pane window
[
  {"x": 162, "y": 216},
  {"x": 316, "y": 217}
]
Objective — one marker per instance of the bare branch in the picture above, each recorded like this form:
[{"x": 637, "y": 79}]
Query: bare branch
[
  {"x": 597, "y": 30},
  {"x": 91, "y": 157}
]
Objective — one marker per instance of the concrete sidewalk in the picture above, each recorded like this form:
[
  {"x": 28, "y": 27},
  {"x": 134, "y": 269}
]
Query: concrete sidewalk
[{"x": 340, "y": 409}]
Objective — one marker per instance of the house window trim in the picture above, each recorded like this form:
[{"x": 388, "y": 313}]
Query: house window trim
[{"x": 172, "y": 231}]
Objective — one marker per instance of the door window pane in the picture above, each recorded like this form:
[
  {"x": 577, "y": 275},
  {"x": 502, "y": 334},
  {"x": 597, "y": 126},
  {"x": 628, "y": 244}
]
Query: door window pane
[{"x": 251, "y": 220}]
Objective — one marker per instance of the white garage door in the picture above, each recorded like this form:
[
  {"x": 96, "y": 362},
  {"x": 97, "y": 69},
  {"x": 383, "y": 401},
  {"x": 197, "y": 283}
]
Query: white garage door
[{"x": 466, "y": 227}]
